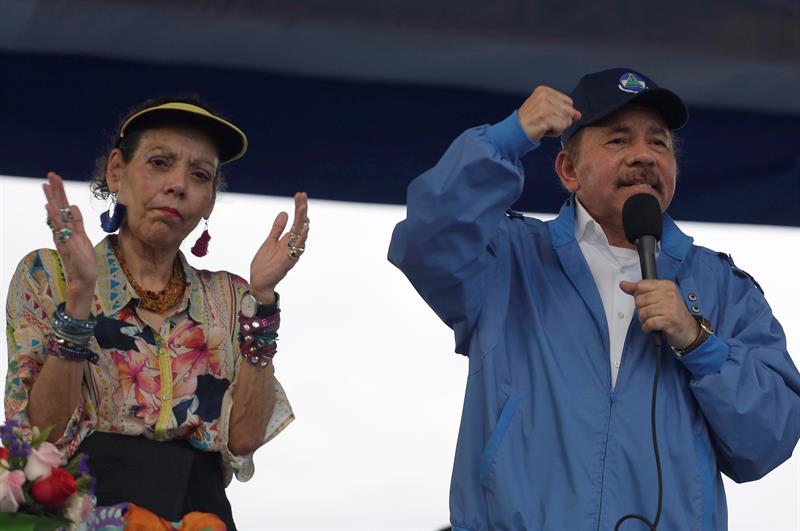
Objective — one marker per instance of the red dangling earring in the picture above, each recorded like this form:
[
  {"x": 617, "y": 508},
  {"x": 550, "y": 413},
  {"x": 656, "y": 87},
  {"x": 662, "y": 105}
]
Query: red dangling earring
[{"x": 200, "y": 247}]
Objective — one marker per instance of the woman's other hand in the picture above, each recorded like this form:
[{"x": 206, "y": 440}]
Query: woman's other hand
[
  {"x": 280, "y": 252},
  {"x": 74, "y": 247}
]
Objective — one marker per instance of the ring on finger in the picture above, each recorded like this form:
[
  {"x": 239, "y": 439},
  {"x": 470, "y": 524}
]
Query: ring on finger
[
  {"x": 306, "y": 222},
  {"x": 50, "y": 223},
  {"x": 296, "y": 252},
  {"x": 293, "y": 238},
  {"x": 62, "y": 235},
  {"x": 66, "y": 214}
]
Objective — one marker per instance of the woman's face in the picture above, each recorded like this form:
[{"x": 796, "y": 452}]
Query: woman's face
[{"x": 168, "y": 186}]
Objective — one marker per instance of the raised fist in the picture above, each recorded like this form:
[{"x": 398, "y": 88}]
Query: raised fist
[{"x": 547, "y": 112}]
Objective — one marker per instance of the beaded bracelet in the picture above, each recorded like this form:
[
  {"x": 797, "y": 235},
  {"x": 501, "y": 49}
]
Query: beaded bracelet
[
  {"x": 258, "y": 338},
  {"x": 68, "y": 351},
  {"x": 75, "y": 331},
  {"x": 261, "y": 357},
  {"x": 261, "y": 360},
  {"x": 262, "y": 325},
  {"x": 257, "y": 341}
]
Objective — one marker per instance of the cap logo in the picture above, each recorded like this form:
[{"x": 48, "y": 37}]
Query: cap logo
[{"x": 630, "y": 82}]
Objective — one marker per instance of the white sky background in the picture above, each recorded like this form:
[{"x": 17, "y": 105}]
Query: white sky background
[{"x": 370, "y": 370}]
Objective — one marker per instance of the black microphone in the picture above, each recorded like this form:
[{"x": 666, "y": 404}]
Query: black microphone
[{"x": 641, "y": 220}]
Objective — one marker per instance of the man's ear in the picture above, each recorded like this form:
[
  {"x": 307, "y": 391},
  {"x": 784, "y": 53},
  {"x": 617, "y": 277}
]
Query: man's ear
[
  {"x": 114, "y": 170},
  {"x": 565, "y": 168}
]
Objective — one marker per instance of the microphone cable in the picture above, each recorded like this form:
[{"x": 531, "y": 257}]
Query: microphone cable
[{"x": 654, "y": 524}]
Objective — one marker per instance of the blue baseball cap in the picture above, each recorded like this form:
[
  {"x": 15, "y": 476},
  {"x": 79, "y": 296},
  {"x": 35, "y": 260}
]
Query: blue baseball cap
[{"x": 603, "y": 93}]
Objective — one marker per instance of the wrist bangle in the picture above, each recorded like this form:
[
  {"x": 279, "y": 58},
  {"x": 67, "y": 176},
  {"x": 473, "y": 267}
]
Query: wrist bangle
[
  {"x": 68, "y": 351},
  {"x": 260, "y": 325},
  {"x": 71, "y": 330},
  {"x": 61, "y": 316},
  {"x": 258, "y": 338},
  {"x": 260, "y": 357}
]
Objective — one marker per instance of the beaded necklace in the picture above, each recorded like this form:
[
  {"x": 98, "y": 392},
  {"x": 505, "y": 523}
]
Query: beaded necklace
[{"x": 154, "y": 301}]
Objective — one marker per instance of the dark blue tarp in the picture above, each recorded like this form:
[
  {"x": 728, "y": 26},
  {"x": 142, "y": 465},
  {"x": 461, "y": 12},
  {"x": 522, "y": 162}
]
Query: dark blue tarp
[{"x": 361, "y": 141}]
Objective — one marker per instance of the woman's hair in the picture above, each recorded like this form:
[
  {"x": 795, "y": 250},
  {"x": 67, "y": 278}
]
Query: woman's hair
[{"x": 130, "y": 142}]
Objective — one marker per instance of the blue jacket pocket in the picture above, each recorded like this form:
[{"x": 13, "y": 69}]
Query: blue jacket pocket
[
  {"x": 499, "y": 432},
  {"x": 706, "y": 482}
]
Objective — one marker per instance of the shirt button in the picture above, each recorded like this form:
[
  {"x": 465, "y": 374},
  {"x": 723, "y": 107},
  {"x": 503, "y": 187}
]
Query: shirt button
[
  {"x": 621, "y": 315},
  {"x": 616, "y": 364}
]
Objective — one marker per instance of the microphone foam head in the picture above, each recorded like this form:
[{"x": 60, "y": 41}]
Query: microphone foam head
[{"x": 641, "y": 216}]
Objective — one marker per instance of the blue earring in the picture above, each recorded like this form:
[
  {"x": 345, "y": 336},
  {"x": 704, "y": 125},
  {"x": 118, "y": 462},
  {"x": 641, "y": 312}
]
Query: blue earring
[{"x": 112, "y": 222}]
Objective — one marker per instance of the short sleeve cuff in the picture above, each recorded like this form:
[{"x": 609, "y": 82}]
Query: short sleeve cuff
[
  {"x": 707, "y": 358},
  {"x": 509, "y": 138},
  {"x": 242, "y": 466}
]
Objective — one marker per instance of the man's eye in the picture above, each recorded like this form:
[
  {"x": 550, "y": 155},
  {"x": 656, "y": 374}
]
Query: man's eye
[
  {"x": 616, "y": 141},
  {"x": 659, "y": 142},
  {"x": 158, "y": 162}
]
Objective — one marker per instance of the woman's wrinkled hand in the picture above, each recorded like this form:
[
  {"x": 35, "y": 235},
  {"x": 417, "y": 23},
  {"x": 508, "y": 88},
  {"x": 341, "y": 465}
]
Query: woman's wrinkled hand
[
  {"x": 74, "y": 247},
  {"x": 280, "y": 252}
]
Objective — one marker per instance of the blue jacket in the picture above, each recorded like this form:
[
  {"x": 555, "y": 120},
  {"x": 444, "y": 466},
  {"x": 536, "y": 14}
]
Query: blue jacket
[{"x": 545, "y": 443}]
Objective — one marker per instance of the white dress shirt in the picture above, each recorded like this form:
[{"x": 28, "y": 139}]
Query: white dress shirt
[{"x": 609, "y": 265}]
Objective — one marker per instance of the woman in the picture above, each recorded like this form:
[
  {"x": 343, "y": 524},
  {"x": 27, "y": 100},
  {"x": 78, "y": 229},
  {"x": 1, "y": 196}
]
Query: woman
[{"x": 162, "y": 373}]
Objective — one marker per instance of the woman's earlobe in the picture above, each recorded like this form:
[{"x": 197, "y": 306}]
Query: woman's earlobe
[{"x": 112, "y": 181}]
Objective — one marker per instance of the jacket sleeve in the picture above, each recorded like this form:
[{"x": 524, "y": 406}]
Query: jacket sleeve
[
  {"x": 454, "y": 211},
  {"x": 746, "y": 384}
]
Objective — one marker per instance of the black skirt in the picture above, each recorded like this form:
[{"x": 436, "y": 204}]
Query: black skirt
[{"x": 168, "y": 478}]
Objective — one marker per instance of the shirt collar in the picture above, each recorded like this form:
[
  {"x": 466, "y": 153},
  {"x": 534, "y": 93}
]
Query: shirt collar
[
  {"x": 113, "y": 291},
  {"x": 585, "y": 225},
  {"x": 562, "y": 230}
]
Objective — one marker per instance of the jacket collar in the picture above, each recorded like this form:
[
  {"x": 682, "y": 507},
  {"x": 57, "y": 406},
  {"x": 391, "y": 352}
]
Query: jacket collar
[
  {"x": 113, "y": 291},
  {"x": 562, "y": 230}
]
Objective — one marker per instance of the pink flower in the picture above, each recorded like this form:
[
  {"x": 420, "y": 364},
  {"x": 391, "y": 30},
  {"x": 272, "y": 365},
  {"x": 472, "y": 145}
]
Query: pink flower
[
  {"x": 188, "y": 335},
  {"x": 197, "y": 354},
  {"x": 134, "y": 370},
  {"x": 11, "y": 494},
  {"x": 41, "y": 462}
]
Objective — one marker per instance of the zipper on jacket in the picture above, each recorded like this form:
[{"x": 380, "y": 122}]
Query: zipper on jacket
[{"x": 605, "y": 452}]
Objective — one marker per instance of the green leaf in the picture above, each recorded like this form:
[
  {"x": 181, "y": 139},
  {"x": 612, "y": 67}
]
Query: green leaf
[
  {"x": 83, "y": 483},
  {"x": 40, "y": 436},
  {"x": 29, "y": 522}
]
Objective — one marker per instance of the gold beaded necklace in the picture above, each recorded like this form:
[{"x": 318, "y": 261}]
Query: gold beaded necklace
[{"x": 154, "y": 301}]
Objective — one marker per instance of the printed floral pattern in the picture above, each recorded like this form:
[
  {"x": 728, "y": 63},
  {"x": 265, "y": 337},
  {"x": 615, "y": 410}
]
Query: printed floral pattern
[{"x": 163, "y": 384}]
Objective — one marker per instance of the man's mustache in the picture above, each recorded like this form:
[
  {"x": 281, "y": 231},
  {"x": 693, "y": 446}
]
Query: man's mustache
[{"x": 640, "y": 176}]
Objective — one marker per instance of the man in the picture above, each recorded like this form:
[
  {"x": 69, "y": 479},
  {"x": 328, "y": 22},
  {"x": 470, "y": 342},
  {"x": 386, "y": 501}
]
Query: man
[{"x": 556, "y": 321}]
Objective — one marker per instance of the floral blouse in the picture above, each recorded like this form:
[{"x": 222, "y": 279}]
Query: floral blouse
[{"x": 165, "y": 384}]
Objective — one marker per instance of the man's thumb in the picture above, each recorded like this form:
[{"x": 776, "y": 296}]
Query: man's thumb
[{"x": 628, "y": 287}]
